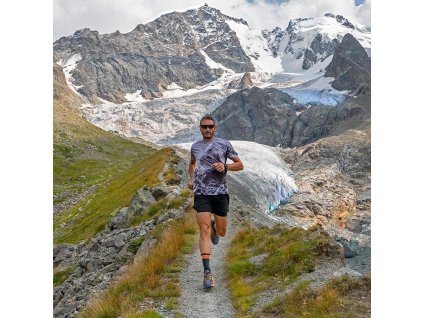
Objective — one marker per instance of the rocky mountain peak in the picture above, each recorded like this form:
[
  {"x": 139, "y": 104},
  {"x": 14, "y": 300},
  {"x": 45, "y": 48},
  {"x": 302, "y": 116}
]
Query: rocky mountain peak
[
  {"x": 206, "y": 12},
  {"x": 86, "y": 32},
  {"x": 244, "y": 82},
  {"x": 310, "y": 41},
  {"x": 341, "y": 20},
  {"x": 352, "y": 49},
  {"x": 294, "y": 23},
  {"x": 174, "y": 48},
  {"x": 350, "y": 66}
]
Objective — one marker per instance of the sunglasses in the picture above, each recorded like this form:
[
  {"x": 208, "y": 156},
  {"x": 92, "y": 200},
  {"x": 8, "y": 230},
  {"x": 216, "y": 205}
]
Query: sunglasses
[{"x": 207, "y": 126}]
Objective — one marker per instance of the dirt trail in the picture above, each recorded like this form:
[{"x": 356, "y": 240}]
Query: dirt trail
[
  {"x": 194, "y": 301},
  {"x": 161, "y": 174}
]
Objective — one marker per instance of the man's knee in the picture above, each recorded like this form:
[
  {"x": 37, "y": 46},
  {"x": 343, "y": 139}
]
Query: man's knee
[
  {"x": 221, "y": 232},
  {"x": 204, "y": 229}
]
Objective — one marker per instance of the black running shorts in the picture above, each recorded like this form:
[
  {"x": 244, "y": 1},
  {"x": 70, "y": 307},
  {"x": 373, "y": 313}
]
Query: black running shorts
[{"x": 217, "y": 204}]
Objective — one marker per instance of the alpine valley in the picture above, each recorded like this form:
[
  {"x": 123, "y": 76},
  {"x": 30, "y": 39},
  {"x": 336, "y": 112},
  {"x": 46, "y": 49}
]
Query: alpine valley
[{"x": 294, "y": 102}]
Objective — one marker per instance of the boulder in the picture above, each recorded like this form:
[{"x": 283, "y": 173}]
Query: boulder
[
  {"x": 120, "y": 220},
  {"x": 161, "y": 191},
  {"x": 173, "y": 195},
  {"x": 140, "y": 201}
]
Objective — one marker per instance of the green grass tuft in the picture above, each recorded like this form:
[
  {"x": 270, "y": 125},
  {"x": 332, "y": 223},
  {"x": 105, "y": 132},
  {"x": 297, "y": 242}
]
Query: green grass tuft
[
  {"x": 135, "y": 244},
  {"x": 59, "y": 277},
  {"x": 261, "y": 259},
  {"x": 339, "y": 298},
  {"x": 150, "y": 314}
]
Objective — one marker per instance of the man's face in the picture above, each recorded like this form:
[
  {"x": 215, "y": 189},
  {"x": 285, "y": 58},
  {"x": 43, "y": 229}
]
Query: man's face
[{"x": 207, "y": 128}]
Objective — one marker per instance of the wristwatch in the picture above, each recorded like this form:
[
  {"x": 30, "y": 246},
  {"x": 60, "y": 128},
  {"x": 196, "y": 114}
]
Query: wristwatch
[{"x": 226, "y": 167}]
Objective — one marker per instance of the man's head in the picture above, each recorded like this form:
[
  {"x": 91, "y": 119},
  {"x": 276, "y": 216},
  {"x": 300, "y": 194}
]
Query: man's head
[{"x": 207, "y": 127}]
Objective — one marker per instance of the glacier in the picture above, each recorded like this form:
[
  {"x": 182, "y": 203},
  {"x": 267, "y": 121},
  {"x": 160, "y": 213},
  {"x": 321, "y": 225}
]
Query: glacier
[{"x": 266, "y": 181}]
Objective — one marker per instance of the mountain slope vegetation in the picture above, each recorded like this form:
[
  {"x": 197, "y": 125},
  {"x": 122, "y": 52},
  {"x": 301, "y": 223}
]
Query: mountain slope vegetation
[{"x": 86, "y": 159}]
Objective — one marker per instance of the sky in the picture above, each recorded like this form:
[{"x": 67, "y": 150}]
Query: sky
[{"x": 124, "y": 15}]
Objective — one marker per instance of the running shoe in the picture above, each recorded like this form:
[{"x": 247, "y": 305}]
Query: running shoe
[
  {"x": 208, "y": 282},
  {"x": 214, "y": 237}
]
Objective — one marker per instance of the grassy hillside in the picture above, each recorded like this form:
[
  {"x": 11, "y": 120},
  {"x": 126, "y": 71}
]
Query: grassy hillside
[
  {"x": 84, "y": 155},
  {"x": 263, "y": 260},
  {"x": 85, "y": 219},
  {"x": 89, "y": 162}
]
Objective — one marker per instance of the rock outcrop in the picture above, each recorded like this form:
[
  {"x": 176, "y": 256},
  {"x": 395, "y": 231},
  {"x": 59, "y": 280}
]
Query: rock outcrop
[
  {"x": 244, "y": 82},
  {"x": 350, "y": 66},
  {"x": 333, "y": 176},
  {"x": 254, "y": 114},
  {"x": 271, "y": 117},
  {"x": 318, "y": 51}
]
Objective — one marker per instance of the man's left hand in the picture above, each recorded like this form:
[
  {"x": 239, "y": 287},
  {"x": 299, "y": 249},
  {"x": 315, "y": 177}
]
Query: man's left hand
[{"x": 218, "y": 166}]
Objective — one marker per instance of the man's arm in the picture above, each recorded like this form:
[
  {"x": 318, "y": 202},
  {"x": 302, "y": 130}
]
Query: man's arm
[
  {"x": 236, "y": 166},
  {"x": 191, "y": 172}
]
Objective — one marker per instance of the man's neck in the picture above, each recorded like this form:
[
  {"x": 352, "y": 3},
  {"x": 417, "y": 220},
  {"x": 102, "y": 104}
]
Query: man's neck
[{"x": 207, "y": 140}]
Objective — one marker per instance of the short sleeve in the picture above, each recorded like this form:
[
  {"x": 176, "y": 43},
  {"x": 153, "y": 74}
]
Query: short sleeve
[
  {"x": 192, "y": 155},
  {"x": 230, "y": 151}
]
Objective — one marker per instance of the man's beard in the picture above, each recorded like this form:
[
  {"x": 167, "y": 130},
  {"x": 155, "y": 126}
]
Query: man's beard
[{"x": 208, "y": 136}]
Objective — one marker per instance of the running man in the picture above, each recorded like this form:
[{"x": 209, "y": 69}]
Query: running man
[{"x": 207, "y": 177}]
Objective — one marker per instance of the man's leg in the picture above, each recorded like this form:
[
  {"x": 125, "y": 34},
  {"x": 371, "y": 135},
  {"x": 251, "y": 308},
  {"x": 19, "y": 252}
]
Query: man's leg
[
  {"x": 220, "y": 213},
  {"x": 221, "y": 224},
  {"x": 203, "y": 221}
]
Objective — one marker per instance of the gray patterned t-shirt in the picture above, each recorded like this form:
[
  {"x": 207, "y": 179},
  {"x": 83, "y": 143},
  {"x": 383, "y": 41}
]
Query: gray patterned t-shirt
[{"x": 207, "y": 180}]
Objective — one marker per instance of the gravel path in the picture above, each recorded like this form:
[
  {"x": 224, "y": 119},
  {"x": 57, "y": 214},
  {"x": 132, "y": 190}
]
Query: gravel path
[{"x": 194, "y": 301}]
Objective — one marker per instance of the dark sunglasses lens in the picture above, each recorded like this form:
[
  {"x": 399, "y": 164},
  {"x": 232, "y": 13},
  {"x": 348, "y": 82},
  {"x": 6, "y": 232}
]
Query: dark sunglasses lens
[{"x": 207, "y": 126}]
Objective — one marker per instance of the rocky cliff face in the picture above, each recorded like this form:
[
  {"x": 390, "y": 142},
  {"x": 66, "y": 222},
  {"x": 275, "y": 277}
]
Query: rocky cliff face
[
  {"x": 170, "y": 49},
  {"x": 260, "y": 115},
  {"x": 318, "y": 51},
  {"x": 334, "y": 178},
  {"x": 350, "y": 67},
  {"x": 270, "y": 117}
]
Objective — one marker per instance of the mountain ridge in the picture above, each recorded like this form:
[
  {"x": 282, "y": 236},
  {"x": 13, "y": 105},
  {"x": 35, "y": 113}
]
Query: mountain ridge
[{"x": 179, "y": 47}]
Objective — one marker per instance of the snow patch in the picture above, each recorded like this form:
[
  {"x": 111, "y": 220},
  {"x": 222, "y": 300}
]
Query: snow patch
[
  {"x": 172, "y": 86},
  {"x": 255, "y": 46},
  {"x": 214, "y": 65},
  {"x": 220, "y": 84},
  {"x": 68, "y": 66},
  {"x": 135, "y": 97},
  {"x": 86, "y": 105}
]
